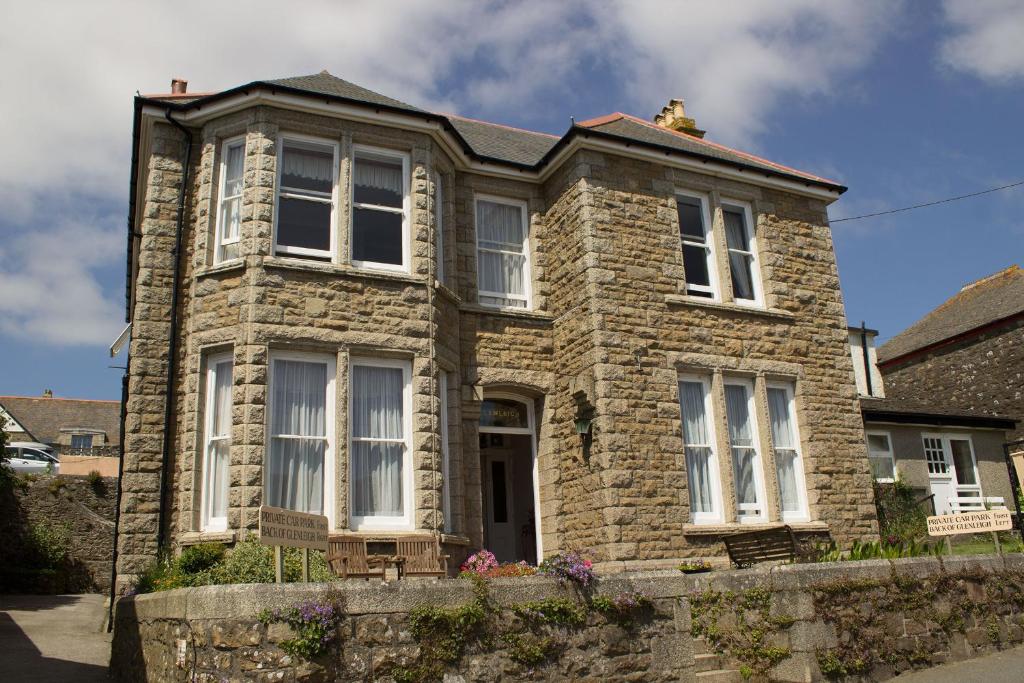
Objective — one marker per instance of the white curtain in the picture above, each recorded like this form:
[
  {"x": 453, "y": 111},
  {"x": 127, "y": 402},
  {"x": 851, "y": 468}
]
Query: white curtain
[
  {"x": 783, "y": 438},
  {"x": 696, "y": 440},
  {"x": 218, "y": 459},
  {"x": 378, "y": 451},
  {"x": 231, "y": 200},
  {"x": 742, "y": 441},
  {"x": 380, "y": 174},
  {"x": 500, "y": 226},
  {"x": 311, "y": 164},
  {"x": 500, "y": 258},
  {"x": 298, "y": 439},
  {"x": 739, "y": 264}
]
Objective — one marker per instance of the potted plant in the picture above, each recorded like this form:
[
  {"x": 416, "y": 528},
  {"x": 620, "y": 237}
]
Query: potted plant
[{"x": 695, "y": 566}]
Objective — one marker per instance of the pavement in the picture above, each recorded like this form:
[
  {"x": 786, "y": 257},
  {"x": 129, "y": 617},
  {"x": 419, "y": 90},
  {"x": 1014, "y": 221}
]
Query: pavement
[
  {"x": 53, "y": 638},
  {"x": 1006, "y": 666}
]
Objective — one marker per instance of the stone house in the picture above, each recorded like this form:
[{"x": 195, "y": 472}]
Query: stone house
[
  {"x": 940, "y": 450},
  {"x": 72, "y": 426},
  {"x": 626, "y": 339}
]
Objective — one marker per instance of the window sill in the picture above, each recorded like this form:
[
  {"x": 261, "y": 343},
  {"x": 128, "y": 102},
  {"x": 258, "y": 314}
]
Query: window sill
[
  {"x": 193, "y": 537},
  {"x": 696, "y": 302},
  {"x": 224, "y": 267},
  {"x": 538, "y": 316},
  {"x": 736, "y": 527},
  {"x": 447, "y": 292},
  {"x": 286, "y": 263}
]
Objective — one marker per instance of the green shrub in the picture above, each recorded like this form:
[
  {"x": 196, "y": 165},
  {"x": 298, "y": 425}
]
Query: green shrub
[
  {"x": 57, "y": 484},
  {"x": 49, "y": 544},
  {"x": 198, "y": 558},
  {"x": 901, "y": 518}
]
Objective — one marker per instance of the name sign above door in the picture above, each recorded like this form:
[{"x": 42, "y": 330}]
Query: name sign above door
[
  {"x": 499, "y": 412},
  {"x": 970, "y": 523},
  {"x": 292, "y": 529}
]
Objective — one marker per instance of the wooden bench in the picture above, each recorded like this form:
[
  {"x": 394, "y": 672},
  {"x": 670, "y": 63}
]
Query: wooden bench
[
  {"x": 348, "y": 559},
  {"x": 421, "y": 556},
  {"x": 764, "y": 545}
]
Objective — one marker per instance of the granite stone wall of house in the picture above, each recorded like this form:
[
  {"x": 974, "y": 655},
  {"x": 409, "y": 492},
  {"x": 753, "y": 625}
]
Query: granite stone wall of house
[
  {"x": 794, "y": 623},
  {"x": 983, "y": 374}
]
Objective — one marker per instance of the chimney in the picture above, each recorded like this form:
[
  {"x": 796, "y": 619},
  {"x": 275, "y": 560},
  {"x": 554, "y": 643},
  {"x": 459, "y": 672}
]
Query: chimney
[
  {"x": 673, "y": 116},
  {"x": 47, "y": 393},
  {"x": 178, "y": 86}
]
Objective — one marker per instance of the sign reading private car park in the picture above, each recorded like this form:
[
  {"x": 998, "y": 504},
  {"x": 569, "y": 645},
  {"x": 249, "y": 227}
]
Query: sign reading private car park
[
  {"x": 970, "y": 523},
  {"x": 291, "y": 529}
]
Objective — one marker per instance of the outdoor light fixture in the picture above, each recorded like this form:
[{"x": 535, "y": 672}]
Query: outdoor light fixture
[{"x": 583, "y": 425}]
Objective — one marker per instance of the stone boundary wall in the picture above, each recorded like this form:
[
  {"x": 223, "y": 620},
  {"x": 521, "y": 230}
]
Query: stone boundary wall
[{"x": 805, "y": 623}]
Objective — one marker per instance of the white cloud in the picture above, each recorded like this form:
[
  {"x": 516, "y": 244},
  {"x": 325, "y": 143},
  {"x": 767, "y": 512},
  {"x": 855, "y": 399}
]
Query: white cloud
[
  {"x": 49, "y": 290},
  {"x": 987, "y": 38},
  {"x": 74, "y": 67}
]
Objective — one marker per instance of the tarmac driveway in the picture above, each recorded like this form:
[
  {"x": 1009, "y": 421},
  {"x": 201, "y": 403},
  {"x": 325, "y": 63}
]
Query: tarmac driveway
[{"x": 53, "y": 638}]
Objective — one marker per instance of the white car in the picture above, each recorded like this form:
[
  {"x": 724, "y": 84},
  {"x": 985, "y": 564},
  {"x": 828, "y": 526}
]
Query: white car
[{"x": 30, "y": 459}]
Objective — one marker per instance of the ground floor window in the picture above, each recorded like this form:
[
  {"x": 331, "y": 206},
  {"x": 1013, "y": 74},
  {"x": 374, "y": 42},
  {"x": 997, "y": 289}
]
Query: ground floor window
[
  {"x": 698, "y": 445},
  {"x": 789, "y": 468},
  {"x": 217, "y": 443},
  {"x": 746, "y": 457},
  {"x": 880, "y": 456}
]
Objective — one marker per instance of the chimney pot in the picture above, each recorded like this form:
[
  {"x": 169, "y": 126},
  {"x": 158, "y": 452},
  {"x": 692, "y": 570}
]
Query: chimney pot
[
  {"x": 673, "y": 116},
  {"x": 47, "y": 393},
  {"x": 178, "y": 86}
]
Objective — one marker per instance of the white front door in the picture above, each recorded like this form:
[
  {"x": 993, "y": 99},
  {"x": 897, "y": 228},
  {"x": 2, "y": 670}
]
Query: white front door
[
  {"x": 941, "y": 476},
  {"x": 501, "y": 528}
]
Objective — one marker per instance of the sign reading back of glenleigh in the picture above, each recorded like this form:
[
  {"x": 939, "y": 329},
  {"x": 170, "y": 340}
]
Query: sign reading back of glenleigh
[
  {"x": 970, "y": 523},
  {"x": 292, "y": 529}
]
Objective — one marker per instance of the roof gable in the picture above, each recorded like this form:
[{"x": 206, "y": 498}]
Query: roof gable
[{"x": 978, "y": 304}]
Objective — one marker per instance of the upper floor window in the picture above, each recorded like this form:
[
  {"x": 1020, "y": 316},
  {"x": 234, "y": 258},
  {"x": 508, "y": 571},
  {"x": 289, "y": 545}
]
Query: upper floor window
[
  {"x": 503, "y": 266},
  {"x": 739, "y": 238},
  {"x": 880, "y": 456},
  {"x": 229, "y": 211},
  {"x": 698, "y": 246},
  {"x": 81, "y": 441},
  {"x": 746, "y": 457},
  {"x": 439, "y": 226},
  {"x": 699, "y": 446},
  {"x": 789, "y": 468},
  {"x": 306, "y": 187},
  {"x": 380, "y": 209}
]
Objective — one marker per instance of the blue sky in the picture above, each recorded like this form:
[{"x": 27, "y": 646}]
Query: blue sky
[{"x": 904, "y": 102}]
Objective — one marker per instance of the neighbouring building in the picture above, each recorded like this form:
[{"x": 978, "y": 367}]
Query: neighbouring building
[
  {"x": 626, "y": 338},
  {"x": 947, "y": 453},
  {"x": 72, "y": 426}
]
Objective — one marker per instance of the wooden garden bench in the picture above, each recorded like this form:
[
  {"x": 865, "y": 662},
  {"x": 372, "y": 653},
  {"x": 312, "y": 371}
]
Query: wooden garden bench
[
  {"x": 348, "y": 559},
  {"x": 764, "y": 545},
  {"x": 421, "y": 556}
]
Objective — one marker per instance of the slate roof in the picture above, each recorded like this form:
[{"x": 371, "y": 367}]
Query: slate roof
[
  {"x": 982, "y": 302},
  {"x": 45, "y": 417},
  {"x": 903, "y": 410},
  {"x": 495, "y": 142}
]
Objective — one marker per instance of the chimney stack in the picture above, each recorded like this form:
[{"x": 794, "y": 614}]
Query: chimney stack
[
  {"x": 178, "y": 86},
  {"x": 673, "y": 116},
  {"x": 47, "y": 393}
]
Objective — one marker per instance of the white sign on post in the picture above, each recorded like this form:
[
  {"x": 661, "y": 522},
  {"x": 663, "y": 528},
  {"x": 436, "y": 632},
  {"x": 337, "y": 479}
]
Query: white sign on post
[
  {"x": 970, "y": 523},
  {"x": 291, "y": 529}
]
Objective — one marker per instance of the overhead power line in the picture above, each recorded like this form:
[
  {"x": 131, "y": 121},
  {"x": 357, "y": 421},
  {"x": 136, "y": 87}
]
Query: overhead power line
[{"x": 921, "y": 206}]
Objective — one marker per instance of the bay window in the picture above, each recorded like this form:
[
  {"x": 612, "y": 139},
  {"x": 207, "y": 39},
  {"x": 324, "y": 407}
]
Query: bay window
[
  {"x": 439, "y": 226},
  {"x": 300, "y": 454},
  {"x": 306, "y": 197},
  {"x": 786, "y": 448},
  {"x": 446, "y": 468},
  {"x": 380, "y": 444},
  {"x": 699, "y": 448},
  {"x": 216, "y": 457},
  {"x": 380, "y": 209},
  {"x": 746, "y": 460},
  {"x": 503, "y": 267},
  {"x": 229, "y": 210},
  {"x": 698, "y": 246},
  {"x": 739, "y": 238}
]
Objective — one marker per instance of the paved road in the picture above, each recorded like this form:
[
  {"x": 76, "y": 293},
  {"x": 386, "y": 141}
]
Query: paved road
[
  {"x": 53, "y": 638},
  {"x": 1002, "y": 667}
]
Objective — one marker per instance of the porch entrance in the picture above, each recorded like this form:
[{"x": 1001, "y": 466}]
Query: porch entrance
[
  {"x": 952, "y": 470},
  {"x": 509, "y": 475}
]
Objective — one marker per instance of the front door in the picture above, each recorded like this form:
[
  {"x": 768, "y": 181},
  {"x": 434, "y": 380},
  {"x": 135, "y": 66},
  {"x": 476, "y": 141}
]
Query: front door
[
  {"x": 941, "y": 477},
  {"x": 501, "y": 527}
]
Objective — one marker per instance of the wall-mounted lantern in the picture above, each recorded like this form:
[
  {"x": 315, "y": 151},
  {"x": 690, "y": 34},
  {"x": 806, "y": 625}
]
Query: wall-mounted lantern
[{"x": 583, "y": 426}]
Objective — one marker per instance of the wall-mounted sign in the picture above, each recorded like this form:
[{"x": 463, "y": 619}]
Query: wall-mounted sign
[
  {"x": 500, "y": 412},
  {"x": 970, "y": 523},
  {"x": 291, "y": 529}
]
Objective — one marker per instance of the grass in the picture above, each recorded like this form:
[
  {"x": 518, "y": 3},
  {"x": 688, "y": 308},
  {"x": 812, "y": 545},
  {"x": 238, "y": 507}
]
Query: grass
[{"x": 981, "y": 544}]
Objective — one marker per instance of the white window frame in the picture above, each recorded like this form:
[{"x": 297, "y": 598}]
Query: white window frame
[
  {"x": 439, "y": 224},
  {"x": 402, "y": 522},
  {"x": 709, "y": 246},
  {"x": 330, "y": 361},
  {"x": 801, "y": 515},
  {"x": 891, "y": 453},
  {"x": 82, "y": 435},
  {"x": 944, "y": 439},
  {"x": 716, "y": 514},
  {"x": 527, "y": 270},
  {"x": 381, "y": 153},
  {"x": 446, "y": 489},
  {"x": 206, "y": 522},
  {"x": 305, "y": 195},
  {"x": 221, "y": 240},
  {"x": 758, "y": 464},
  {"x": 755, "y": 262}
]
